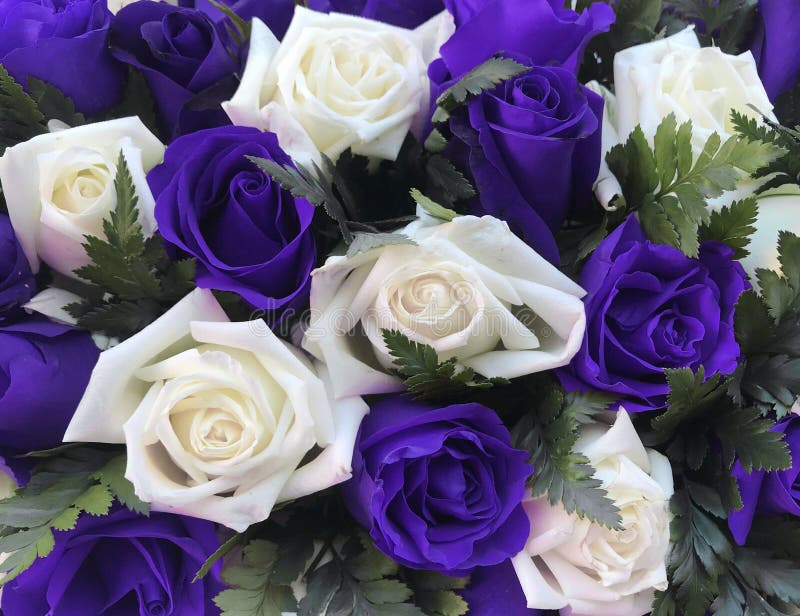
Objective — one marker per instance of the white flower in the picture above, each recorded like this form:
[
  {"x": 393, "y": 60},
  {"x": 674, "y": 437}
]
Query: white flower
[
  {"x": 217, "y": 416},
  {"x": 469, "y": 288},
  {"x": 60, "y": 186},
  {"x": 588, "y": 569},
  {"x": 778, "y": 210},
  {"x": 675, "y": 75},
  {"x": 336, "y": 82}
]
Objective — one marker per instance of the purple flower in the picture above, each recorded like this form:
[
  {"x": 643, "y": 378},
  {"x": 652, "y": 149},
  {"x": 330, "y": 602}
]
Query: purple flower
[
  {"x": 276, "y": 14},
  {"x": 184, "y": 59},
  {"x": 17, "y": 284},
  {"x": 775, "y": 48},
  {"x": 403, "y": 13},
  {"x": 496, "y": 590},
  {"x": 533, "y": 148},
  {"x": 439, "y": 488},
  {"x": 249, "y": 235},
  {"x": 119, "y": 565},
  {"x": 649, "y": 307},
  {"x": 44, "y": 368},
  {"x": 62, "y": 42},
  {"x": 769, "y": 493}
]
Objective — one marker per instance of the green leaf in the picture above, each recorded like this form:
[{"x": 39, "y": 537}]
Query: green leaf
[
  {"x": 691, "y": 395},
  {"x": 732, "y": 225},
  {"x": 52, "y": 103},
  {"x": 20, "y": 118},
  {"x": 433, "y": 208},
  {"x": 66, "y": 483},
  {"x": 426, "y": 377},
  {"x": 549, "y": 434},
  {"x": 435, "y": 141},
  {"x": 310, "y": 185},
  {"x": 364, "y": 242},
  {"x": 137, "y": 101},
  {"x": 449, "y": 181},
  {"x": 666, "y": 149},
  {"x": 485, "y": 76},
  {"x": 112, "y": 476},
  {"x": 252, "y": 591},
  {"x": 746, "y": 436}
]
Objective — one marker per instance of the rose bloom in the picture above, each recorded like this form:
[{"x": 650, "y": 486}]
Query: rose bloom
[
  {"x": 650, "y": 307},
  {"x": 336, "y": 82},
  {"x": 17, "y": 284},
  {"x": 59, "y": 187},
  {"x": 62, "y": 42},
  {"x": 218, "y": 417},
  {"x": 590, "y": 570},
  {"x": 438, "y": 488},
  {"x": 777, "y": 211},
  {"x": 469, "y": 288},
  {"x": 120, "y": 565}
]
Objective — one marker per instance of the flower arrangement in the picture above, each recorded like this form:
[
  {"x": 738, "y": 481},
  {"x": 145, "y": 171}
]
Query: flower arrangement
[{"x": 399, "y": 308}]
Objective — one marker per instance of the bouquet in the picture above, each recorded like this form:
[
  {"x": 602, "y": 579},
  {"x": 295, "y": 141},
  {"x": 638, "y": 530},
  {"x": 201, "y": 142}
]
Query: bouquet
[{"x": 399, "y": 307}]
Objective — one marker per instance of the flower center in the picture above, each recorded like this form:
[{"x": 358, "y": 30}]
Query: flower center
[{"x": 75, "y": 191}]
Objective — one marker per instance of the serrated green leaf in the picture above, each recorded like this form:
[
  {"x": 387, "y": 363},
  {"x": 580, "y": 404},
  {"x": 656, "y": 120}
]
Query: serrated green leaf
[
  {"x": 666, "y": 151},
  {"x": 690, "y": 395},
  {"x": 747, "y": 437},
  {"x": 364, "y": 242},
  {"x": 67, "y": 519},
  {"x": 433, "y": 208},
  {"x": 385, "y": 591},
  {"x": 732, "y": 225},
  {"x": 450, "y": 182},
  {"x": 656, "y": 225},
  {"x": 485, "y": 76},
  {"x": 53, "y": 104},
  {"x": 112, "y": 476},
  {"x": 20, "y": 118}
]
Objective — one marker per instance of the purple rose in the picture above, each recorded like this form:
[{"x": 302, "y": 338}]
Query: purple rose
[
  {"x": 650, "y": 307},
  {"x": 276, "y": 14},
  {"x": 249, "y": 236},
  {"x": 403, "y": 13},
  {"x": 62, "y": 42},
  {"x": 119, "y": 565},
  {"x": 533, "y": 148},
  {"x": 538, "y": 29},
  {"x": 496, "y": 590},
  {"x": 769, "y": 493},
  {"x": 44, "y": 368},
  {"x": 184, "y": 58},
  {"x": 17, "y": 284},
  {"x": 775, "y": 48},
  {"x": 439, "y": 488}
]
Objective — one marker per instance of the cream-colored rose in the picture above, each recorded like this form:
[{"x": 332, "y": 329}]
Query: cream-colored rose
[
  {"x": 587, "y": 569},
  {"x": 336, "y": 82},
  {"x": 676, "y": 75},
  {"x": 60, "y": 186},
  {"x": 217, "y": 416},
  {"x": 778, "y": 210},
  {"x": 469, "y": 288}
]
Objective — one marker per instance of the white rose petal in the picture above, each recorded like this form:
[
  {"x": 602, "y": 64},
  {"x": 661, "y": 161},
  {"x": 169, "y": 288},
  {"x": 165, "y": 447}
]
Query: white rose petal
[
  {"x": 583, "y": 568},
  {"x": 217, "y": 416},
  {"x": 338, "y": 81},
  {"x": 676, "y": 75},
  {"x": 60, "y": 186},
  {"x": 469, "y": 288},
  {"x": 778, "y": 210}
]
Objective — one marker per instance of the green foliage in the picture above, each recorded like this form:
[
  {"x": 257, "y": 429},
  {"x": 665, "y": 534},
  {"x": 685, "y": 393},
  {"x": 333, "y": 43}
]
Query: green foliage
[
  {"x": 700, "y": 408},
  {"x": 137, "y": 100},
  {"x": 785, "y": 169},
  {"x": 364, "y": 242},
  {"x": 68, "y": 482},
  {"x": 432, "y": 208},
  {"x": 131, "y": 279},
  {"x": 253, "y": 591},
  {"x": 549, "y": 433},
  {"x": 20, "y": 118},
  {"x": 483, "y": 77},
  {"x": 435, "y": 594},
  {"x": 787, "y": 107},
  {"x": 732, "y": 225},
  {"x": 53, "y": 104},
  {"x": 668, "y": 189},
  {"x": 357, "y": 581},
  {"x": 727, "y": 23},
  {"x": 426, "y": 377},
  {"x": 768, "y": 333}
]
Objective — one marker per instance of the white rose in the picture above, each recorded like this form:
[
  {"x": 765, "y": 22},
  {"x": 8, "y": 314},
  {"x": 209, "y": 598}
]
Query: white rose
[
  {"x": 60, "y": 186},
  {"x": 778, "y": 210},
  {"x": 469, "y": 288},
  {"x": 217, "y": 416},
  {"x": 675, "y": 75},
  {"x": 336, "y": 82},
  {"x": 588, "y": 569}
]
